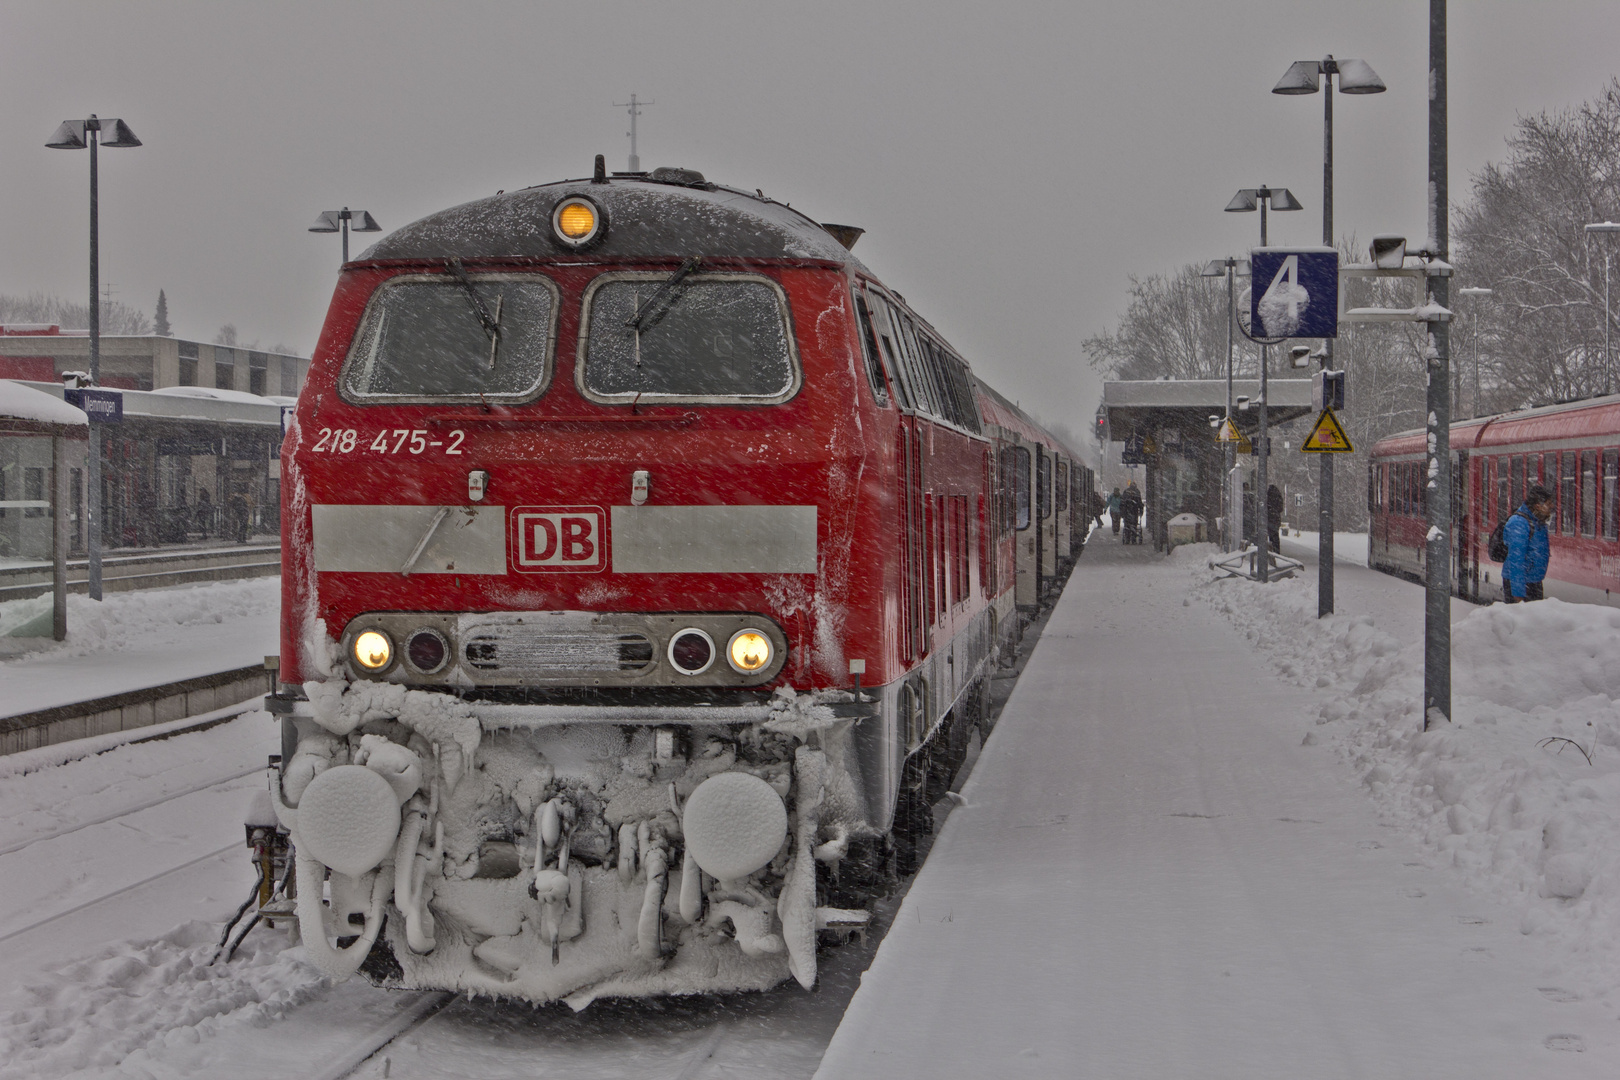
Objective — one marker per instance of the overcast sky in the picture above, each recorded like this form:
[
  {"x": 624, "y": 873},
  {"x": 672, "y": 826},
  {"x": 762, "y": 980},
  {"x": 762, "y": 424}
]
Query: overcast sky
[{"x": 1012, "y": 162}]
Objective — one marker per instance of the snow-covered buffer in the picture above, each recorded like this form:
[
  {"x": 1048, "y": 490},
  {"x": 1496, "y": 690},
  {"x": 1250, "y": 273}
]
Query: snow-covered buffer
[{"x": 565, "y": 861}]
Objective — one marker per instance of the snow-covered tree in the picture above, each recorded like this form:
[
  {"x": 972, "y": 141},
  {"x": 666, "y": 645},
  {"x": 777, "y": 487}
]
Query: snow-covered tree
[
  {"x": 226, "y": 335},
  {"x": 160, "y": 324},
  {"x": 1539, "y": 337}
]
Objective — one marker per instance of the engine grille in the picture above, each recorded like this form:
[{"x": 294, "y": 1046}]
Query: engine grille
[{"x": 544, "y": 653}]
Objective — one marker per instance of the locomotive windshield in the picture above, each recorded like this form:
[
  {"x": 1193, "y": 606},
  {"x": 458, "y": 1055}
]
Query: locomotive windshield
[
  {"x": 425, "y": 338},
  {"x": 712, "y": 336}
]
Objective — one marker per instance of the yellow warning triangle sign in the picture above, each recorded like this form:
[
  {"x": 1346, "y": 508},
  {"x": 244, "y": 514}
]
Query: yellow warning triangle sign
[
  {"x": 1228, "y": 432},
  {"x": 1327, "y": 437}
]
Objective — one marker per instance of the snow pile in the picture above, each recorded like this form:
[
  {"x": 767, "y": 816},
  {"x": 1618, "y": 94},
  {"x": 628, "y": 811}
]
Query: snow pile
[
  {"x": 26, "y": 403},
  {"x": 1521, "y": 792},
  {"x": 116, "y": 1009}
]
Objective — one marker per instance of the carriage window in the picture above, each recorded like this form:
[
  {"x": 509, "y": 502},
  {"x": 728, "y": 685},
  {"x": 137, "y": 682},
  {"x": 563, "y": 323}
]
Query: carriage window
[
  {"x": 869, "y": 346},
  {"x": 1566, "y": 493},
  {"x": 1062, "y": 486},
  {"x": 1021, "y": 487},
  {"x": 425, "y": 339},
  {"x": 1043, "y": 484},
  {"x": 1611, "y": 495},
  {"x": 1504, "y": 490},
  {"x": 1589, "y": 490},
  {"x": 710, "y": 336},
  {"x": 1517, "y": 494}
]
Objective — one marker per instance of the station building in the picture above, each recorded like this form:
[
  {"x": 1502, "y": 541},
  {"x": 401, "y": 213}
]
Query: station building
[{"x": 194, "y": 462}]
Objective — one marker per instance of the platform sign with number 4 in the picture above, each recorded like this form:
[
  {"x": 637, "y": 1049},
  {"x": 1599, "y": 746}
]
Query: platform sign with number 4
[{"x": 1295, "y": 292}]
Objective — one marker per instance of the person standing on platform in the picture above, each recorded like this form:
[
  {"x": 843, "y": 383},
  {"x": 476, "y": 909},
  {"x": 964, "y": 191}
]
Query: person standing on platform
[
  {"x": 1274, "y": 513},
  {"x": 1525, "y": 568},
  {"x": 1130, "y": 504},
  {"x": 1113, "y": 510}
]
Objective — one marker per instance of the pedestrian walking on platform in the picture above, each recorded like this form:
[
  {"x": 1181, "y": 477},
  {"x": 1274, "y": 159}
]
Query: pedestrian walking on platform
[
  {"x": 1113, "y": 510},
  {"x": 1525, "y": 568},
  {"x": 1130, "y": 505}
]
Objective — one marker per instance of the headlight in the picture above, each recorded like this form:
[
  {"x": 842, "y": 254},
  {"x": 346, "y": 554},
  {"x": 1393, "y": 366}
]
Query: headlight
[
  {"x": 749, "y": 651},
  {"x": 427, "y": 650},
  {"x": 691, "y": 651},
  {"x": 373, "y": 651},
  {"x": 576, "y": 222}
]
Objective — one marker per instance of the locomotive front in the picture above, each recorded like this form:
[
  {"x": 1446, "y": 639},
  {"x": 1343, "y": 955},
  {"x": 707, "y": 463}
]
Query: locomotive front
[{"x": 569, "y": 501}]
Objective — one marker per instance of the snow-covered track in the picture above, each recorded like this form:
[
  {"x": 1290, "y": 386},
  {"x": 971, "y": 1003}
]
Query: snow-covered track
[
  {"x": 104, "y": 897},
  {"x": 128, "y": 810},
  {"x": 407, "y": 1020}
]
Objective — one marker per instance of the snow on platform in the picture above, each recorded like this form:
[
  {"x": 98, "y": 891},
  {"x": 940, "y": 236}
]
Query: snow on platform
[
  {"x": 1153, "y": 877},
  {"x": 133, "y": 640}
]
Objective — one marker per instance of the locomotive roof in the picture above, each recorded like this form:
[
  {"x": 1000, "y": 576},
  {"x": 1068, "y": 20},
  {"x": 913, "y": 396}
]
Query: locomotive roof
[{"x": 646, "y": 218}]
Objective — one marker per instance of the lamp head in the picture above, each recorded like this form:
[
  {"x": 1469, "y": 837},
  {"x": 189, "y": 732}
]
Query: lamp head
[
  {"x": 327, "y": 222},
  {"x": 1388, "y": 251},
  {"x": 69, "y": 135},
  {"x": 362, "y": 221},
  {"x": 1216, "y": 268},
  {"x": 116, "y": 133},
  {"x": 1358, "y": 77},
  {"x": 1244, "y": 201},
  {"x": 1283, "y": 199},
  {"x": 1300, "y": 356},
  {"x": 1302, "y": 77}
]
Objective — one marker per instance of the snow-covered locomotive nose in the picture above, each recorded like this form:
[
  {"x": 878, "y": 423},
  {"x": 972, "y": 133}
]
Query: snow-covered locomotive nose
[
  {"x": 348, "y": 819},
  {"x": 734, "y": 823}
]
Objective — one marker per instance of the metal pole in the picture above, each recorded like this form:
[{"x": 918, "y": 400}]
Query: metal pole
[
  {"x": 344, "y": 218},
  {"x": 1229, "y": 451},
  {"x": 59, "y": 536},
  {"x": 1261, "y": 510},
  {"x": 92, "y": 496},
  {"x": 1324, "y": 495},
  {"x": 1608, "y": 357},
  {"x": 1437, "y": 557}
]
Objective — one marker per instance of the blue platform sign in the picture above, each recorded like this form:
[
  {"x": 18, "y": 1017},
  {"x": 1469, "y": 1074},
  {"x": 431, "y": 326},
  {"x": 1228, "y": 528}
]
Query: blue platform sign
[
  {"x": 1294, "y": 293},
  {"x": 102, "y": 406},
  {"x": 1135, "y": 451}
]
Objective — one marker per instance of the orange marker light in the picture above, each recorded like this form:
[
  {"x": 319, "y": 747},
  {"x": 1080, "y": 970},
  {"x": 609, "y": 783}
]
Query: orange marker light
[{"x": 576, "y": 220}]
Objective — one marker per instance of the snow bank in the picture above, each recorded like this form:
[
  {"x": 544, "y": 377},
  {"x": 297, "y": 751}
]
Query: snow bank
[
  {"x": 1521, "y": 792},
  {"x": 107, "y": 1014}
]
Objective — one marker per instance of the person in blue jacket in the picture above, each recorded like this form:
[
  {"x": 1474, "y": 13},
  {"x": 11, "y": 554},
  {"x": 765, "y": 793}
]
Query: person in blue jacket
[{"x": 1526, "y": 534}]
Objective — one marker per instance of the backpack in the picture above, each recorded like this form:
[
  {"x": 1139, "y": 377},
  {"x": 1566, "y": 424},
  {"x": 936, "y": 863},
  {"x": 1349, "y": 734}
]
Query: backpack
[{"x": 1496, "y": 547}]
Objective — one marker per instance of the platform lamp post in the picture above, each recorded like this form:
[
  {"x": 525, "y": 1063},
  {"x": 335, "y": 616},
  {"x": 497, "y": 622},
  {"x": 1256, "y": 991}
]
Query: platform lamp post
[
  {"x": 1306, "y": 77},
  {"x": 1609, "y": 227},
  {"x": 77, "y": 135},
  {"x": 1473, "y": 406},
  {"x": 338, "y": 221},
  {"x": 1230, "y": 268},
  {"x": 1248, "y": 200}
]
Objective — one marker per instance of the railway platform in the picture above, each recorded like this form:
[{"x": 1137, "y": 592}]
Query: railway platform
[
  {"x": 126, "y": 569},
  {"x": 1149, "y": 875}
]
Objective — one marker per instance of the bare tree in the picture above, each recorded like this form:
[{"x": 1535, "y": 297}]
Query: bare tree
[
  {"x": 1539, "y": 338},
  {"x": 116, "y": 318}
]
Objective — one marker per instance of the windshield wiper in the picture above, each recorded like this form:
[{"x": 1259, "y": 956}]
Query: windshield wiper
[
  {"x": 659, "y": 303},
  {"x": 490, "y": 323}
]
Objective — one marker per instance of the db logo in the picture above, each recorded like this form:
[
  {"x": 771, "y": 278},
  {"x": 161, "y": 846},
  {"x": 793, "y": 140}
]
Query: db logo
[{"x": 559, "y": 538}]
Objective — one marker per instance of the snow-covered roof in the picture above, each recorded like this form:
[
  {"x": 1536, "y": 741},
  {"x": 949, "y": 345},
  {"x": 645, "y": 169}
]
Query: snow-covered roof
[
  {"x": 212, "y": 394},
  {"x": 24, "y": 403},
  {"x": 645, "y": 218}
]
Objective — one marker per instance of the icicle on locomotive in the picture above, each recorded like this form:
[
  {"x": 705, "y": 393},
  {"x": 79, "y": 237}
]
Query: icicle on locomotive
[{"x": 644, "y": 563}]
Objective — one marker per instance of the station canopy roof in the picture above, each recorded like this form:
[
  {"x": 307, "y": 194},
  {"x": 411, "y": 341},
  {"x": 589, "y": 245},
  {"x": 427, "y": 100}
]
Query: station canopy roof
[
  {"x": 1154, "y": 405},
  {"x": 27, "y": 411}
]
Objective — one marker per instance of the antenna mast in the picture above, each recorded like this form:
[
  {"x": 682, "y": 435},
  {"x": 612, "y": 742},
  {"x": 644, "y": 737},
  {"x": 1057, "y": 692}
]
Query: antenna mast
[{"x": 633, "y": 106}]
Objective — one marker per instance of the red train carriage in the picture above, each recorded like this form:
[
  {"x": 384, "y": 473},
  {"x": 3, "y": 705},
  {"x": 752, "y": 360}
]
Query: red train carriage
[
  {"x": 644, "y": 562},
  {"x": 1572, "y": 449}
]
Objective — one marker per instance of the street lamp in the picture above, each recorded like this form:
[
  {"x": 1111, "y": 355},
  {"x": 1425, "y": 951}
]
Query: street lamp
[
  {"x": 76, "y": 135},
  {"x": 1608, "y": 357},
  {"x": 1473, "y": 410},
  {"x": 1229, "y": 268},
  {"x": 338, "y": 220},
  {"x": 1245, "y": 201},
  {"x": 1305, "y": 77}
]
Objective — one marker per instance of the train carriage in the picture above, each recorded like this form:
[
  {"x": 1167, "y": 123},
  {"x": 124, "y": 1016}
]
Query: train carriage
[
  {"x": 1572, "y": 449},
  {"x": 645, "y": 559}
]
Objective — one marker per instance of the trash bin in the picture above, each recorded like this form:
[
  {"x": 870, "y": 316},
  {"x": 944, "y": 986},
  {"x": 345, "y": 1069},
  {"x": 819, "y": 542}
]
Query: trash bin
[{"x": 1186, "y": 529}]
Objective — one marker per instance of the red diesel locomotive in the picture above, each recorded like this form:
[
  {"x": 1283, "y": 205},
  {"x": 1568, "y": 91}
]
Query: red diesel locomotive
[
  {"x": 645, "y": 562},
  {"x": 1573, "y": 450}
]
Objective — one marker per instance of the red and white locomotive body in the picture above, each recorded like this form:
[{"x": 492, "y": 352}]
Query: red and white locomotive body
[
  {"x": 642, "y": 561},
  {"x": 1572, "y": 449}
]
